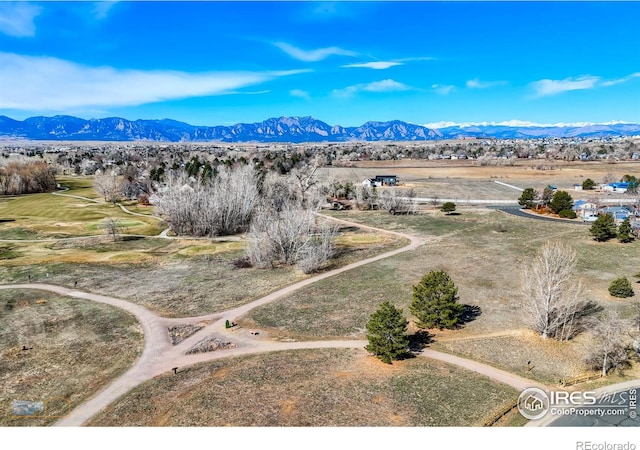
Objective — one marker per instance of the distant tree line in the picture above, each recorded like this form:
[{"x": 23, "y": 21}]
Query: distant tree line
[{"x": 27, "y": 178}]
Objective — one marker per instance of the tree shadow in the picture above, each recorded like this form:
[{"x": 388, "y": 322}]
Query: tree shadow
[
  {"x": 419, "y": 341},
  {"x": 348, "y": 229},
  {"x": 453, "y": 214},
  {"x": 469, "y": 314},
  {"x": 126, "y": 238},
  {"x": 583, "y": 318}
]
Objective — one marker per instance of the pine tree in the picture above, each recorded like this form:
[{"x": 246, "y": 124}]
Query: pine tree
[
  {"x": 386, "y": 333},
  {"x": 561, "y": 201},
  {"x": 448, "y": 207},
  {"x": 435, "y": 301},
  {"x": 624, "y": 231},
  {"x": 528, "y": 198},
  {"x": 604, "y": 228}
]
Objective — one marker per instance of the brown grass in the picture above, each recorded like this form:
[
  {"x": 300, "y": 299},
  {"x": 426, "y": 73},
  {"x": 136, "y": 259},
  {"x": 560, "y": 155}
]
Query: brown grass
[
  {"x": 310, "y": 388},
  {"x": 485, "y": 265},
  {"x": 173, "y": 277},
  {"x": 76, "y": 348}
]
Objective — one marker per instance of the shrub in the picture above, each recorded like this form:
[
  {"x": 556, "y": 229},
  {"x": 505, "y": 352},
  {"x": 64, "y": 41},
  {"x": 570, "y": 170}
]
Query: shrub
[
  {"x": 567, "y": 214},
  {"x": 621, "y": 287}
]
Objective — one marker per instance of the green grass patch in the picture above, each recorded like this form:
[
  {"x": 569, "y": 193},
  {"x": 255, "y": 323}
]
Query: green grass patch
[
  {"x": 47, "y": 215},
  {"x": 8, "y": 252},
  {"x": 17, "y": 233}
]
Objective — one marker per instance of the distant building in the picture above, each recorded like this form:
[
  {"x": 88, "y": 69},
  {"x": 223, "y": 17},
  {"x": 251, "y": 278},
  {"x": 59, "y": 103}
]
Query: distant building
[
  {"x": 620, "y": 187},
  {"x": 381, "y": 180}
]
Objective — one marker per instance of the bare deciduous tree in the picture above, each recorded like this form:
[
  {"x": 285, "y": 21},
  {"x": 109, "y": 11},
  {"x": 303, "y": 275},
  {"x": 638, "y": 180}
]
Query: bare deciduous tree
[
  {"x": 285, "y": 228},
  {"x": 108, "y": 186},
  {"x": 608, "y": 352},
  {"x": 552, "y": 296},
  {"x": 113, "y": 228},
  {"x": 213, "y": 207},
  {"x": 398, "y": 202},
  {"x": 366, "y": 197},
  {"x": 26, "y": 178},
  {"x": 635, "y": 314}
]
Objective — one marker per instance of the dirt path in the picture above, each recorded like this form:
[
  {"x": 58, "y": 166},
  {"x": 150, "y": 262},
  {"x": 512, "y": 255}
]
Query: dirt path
[{"x": 159, "y": 356}]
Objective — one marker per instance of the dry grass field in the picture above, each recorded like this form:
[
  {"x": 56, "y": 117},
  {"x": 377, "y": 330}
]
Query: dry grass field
[
  {"x": 485, "y": 264},
  {"x": 75, "y": 348},
  {"x": 483, "y": 250},
  {"x": 174, "y": 277},
  {"x": 311, "y": 388},
  {"x": 464, "y": 179}
]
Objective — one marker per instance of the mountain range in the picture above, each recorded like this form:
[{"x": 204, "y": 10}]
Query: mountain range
[{"x": 285, "y": 129}]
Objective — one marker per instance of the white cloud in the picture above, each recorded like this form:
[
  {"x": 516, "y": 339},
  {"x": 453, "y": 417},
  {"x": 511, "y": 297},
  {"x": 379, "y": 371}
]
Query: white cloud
[
  {"x": 16, "y": 18},
  {"x": 387, "y": 85},
  {"x": 554, "y": 87},
  {"x": 101, "y": 9},
  {"x": 300, "y": 93},
  {"x": 51, "y": 84},
  {"x": 621, "y": 80},
  {"x": 378, "y": 65},
  {"x": 312, "y": 55},
  {"x": 477, "y": 84},
  {"x": 443, "y": 89}
]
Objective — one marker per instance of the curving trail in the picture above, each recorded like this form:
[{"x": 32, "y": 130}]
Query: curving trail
[{"x": 159, "y": 356}]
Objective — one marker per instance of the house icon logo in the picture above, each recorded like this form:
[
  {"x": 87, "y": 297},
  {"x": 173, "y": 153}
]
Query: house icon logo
[{"x": 533, "y": 403}]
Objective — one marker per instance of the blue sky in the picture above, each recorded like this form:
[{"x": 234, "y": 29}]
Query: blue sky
[{"x": 209, "y": 63}]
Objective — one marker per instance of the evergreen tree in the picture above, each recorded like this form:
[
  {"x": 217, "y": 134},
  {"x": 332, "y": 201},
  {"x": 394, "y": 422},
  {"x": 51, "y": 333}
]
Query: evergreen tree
[
  {"x": 588, "y": 184},
  {"x": 604, "y": 228},
  {"x": 386, "y": 333},
  {"x": 624, "y": 231},
  {"x": 435, "y": 301},
  {"x": 561, "y": 201},
  {"x": 448, "y": 207},
  {"x": 621, "y": 287},
  {"x": 528, "y": 198}
]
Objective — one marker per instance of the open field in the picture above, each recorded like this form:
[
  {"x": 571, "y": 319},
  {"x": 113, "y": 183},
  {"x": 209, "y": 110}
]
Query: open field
[
  {"x": 175, "y": 278},
  {"x": 38, "y": 216},
  {"x": 464, "y": 179},
  {"x": 311, "y": 388},
  {"x": 484, "y": 264},
  {"x": 183, "y": 277},
  {"x": 75, "y": 348}
]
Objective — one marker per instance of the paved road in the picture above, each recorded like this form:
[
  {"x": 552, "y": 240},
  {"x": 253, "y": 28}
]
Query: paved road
[
  {"x": 159, "y": 356},
  {"x": 517, "y": 211}
]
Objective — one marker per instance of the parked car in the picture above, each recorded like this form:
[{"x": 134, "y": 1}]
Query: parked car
[{"x": 590, "y": 218}]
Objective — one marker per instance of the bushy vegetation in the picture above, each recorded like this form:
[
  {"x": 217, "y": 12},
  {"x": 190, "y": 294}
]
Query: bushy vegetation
[
  {"x": 621, "y": 287},
  {"x": 26, "y": 178}
]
